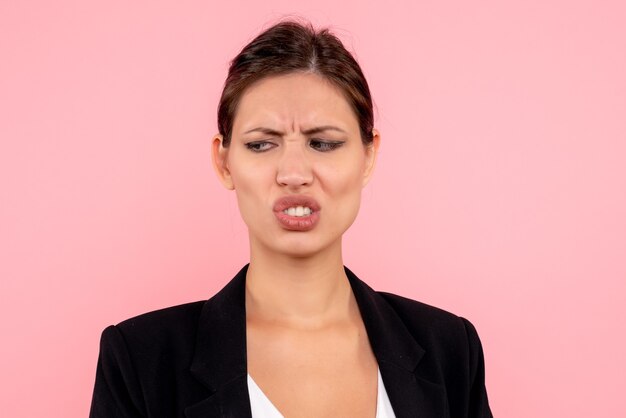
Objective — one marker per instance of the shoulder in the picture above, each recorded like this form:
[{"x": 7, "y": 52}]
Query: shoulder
[
  {"x": 453, "y": 353},
  {"x": 432, "y": 327},
  {"x": 167, "y": 333},
  {"x": 174, "y": 319},
  {"x": 142, "y": 358}
]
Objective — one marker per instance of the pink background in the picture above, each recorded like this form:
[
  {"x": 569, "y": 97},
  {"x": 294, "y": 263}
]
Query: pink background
[{"x": 499, "y": 194}]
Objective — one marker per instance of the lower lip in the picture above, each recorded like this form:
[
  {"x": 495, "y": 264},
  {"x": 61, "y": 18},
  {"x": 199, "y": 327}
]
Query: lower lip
[{"x": 298, "y": 223}]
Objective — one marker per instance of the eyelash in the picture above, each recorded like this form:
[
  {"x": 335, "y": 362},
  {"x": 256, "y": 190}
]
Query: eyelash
[{"x": 328, "y": 146}]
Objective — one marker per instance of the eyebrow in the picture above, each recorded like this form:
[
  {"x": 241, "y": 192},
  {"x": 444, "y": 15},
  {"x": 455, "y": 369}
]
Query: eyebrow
[{"x": 310, "y": 131}]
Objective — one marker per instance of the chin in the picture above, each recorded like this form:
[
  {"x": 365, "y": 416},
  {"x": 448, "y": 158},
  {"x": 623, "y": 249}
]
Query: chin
[
  {"x": 301, "y": 247},
  {"x": 294, "y": 244}
]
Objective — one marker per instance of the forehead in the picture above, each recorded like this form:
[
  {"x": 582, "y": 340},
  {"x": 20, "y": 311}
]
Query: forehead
[{"x": 294, "y": 100}]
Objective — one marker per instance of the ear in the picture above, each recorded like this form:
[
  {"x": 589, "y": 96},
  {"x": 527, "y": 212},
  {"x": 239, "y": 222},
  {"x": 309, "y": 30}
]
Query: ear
[
  {"x": 371, "y": 151},
  {"x": 219, "y": 157}
]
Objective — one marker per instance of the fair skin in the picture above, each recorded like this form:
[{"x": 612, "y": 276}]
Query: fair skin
[{"x": 307, "y": 347}]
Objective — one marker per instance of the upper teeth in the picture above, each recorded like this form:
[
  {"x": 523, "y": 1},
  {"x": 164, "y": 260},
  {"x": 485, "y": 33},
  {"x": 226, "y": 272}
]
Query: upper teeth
[{"x": 298, "y": 211}]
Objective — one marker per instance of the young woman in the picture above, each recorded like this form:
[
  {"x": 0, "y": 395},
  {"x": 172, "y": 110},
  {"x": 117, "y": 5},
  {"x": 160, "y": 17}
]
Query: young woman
[{"x": 295, "y": 333}]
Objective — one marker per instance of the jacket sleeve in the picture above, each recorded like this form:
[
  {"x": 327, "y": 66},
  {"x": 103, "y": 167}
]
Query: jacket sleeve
[
  {"x": 116, "y": 391},
  {"x": 478, "y": 401}
]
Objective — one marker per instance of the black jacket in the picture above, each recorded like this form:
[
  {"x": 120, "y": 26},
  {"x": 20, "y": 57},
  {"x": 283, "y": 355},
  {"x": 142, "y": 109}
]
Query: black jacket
[{"x": 190, "y": 360}]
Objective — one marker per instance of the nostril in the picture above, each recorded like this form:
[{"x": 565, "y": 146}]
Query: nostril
[{"x": 293, "y": 179}]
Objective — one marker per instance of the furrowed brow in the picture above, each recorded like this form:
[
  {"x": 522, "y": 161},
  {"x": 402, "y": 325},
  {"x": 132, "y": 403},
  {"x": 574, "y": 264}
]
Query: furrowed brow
[
  {"x": 311, "y": 131},
  {"x": 266, "y": 131},
  {"x": 324, "y": 128}
]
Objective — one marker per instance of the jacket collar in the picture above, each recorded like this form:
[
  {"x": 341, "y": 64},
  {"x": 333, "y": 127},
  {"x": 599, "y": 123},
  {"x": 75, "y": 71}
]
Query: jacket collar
[{"x": 220, "y": 361}]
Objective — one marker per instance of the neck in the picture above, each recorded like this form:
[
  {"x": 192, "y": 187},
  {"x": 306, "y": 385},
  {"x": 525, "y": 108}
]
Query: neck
[{"x": 298, "y": 291}]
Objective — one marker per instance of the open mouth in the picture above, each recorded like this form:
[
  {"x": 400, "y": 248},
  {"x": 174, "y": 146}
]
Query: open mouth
[{"x": 297, "y": 213}]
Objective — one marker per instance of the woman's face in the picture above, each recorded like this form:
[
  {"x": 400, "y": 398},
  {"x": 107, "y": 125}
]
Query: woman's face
[{"x": 295, "y": 143}]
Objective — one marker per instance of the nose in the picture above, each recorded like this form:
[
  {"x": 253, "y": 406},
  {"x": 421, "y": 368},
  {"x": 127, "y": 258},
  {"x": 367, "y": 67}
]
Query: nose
[{"x": 294, "y": 168}]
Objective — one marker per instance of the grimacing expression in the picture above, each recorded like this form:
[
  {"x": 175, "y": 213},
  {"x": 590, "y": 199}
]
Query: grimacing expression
[{"x": 276, "y": 151}]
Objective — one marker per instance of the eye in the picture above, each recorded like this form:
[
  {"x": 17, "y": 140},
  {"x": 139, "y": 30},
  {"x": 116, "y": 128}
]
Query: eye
[
  {"x": 259, "y": 146},
  {"x": 325, "y": 146}
]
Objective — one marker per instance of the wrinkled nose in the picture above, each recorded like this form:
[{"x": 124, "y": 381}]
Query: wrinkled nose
[{"x": 294, "y": 169}]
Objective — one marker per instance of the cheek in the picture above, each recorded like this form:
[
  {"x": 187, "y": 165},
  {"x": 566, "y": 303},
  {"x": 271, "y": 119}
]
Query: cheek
[
  {"x": 247, "y": 173},
  {"x": 343, "y": 188},
  {"x": 252, "y": 187},
  {"x": 344, "y": 177}
]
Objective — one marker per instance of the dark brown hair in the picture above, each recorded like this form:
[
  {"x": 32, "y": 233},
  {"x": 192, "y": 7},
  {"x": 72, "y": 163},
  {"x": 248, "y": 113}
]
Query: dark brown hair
[{"x": 288, "y": 47}]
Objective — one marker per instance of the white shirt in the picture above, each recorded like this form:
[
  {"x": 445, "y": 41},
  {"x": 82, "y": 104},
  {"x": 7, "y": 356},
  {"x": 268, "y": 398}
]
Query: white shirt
[{"x": 262, "y": 407}]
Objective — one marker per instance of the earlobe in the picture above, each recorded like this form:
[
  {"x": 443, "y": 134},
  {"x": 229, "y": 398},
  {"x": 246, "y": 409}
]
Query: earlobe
[
  {"x": 370, "y": 157},
  {"x": 219, "y": 158}
]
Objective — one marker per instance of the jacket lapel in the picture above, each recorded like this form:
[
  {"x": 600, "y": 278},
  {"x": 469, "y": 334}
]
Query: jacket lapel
[
  {"x": 220, "y": 358},
  {"x": 398, "y": 355},
  {"x": 219, "y": 361}
]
